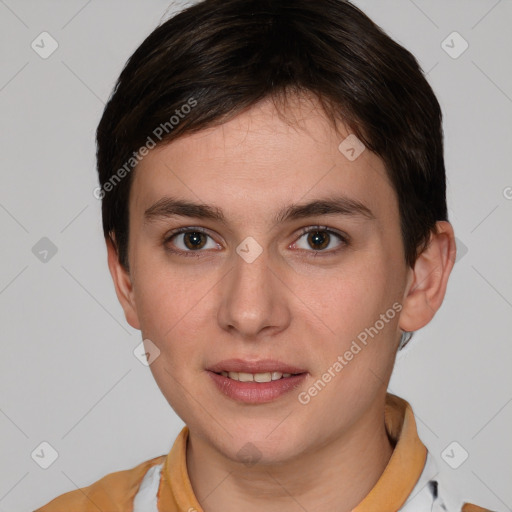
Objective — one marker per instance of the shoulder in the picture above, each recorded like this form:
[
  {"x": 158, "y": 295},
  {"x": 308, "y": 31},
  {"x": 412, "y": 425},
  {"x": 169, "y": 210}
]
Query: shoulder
[
  {"x": 469, "y": 507},
  {"x": 114, "y": 492},
  {"x": 435, "y": 490}
]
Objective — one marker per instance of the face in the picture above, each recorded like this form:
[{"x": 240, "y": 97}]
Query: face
[{"x": 258, "y": 247}]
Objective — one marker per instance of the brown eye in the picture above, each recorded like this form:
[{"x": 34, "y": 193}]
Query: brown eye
[
  {"x": 318, "y": 239},
  {"x": 194, "y": 240},
  {"x": 189, "y": 240}
]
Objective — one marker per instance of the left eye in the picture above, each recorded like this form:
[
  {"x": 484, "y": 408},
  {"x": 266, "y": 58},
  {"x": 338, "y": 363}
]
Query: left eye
[
  {"x": 320, "y": 239},
  {"x": 192, "y": 240}
]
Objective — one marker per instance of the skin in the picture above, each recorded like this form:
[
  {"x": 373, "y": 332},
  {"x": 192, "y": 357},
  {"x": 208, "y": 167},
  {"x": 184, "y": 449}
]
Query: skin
[{"x": 293, "y": 303}]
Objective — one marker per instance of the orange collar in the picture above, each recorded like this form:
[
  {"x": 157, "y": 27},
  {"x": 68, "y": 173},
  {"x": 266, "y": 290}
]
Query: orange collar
[
  {"x": 388, "y": 495},
  {"x": 405, "y": 465}
]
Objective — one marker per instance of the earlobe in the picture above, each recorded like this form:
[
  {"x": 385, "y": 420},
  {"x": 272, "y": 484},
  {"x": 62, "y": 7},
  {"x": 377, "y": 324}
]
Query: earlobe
[
  {"x": 123, "y": 285},
  {"x": 429, "y": 278}
]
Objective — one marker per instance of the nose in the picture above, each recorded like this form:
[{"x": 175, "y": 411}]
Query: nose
[{"x": 254, "y": 299}]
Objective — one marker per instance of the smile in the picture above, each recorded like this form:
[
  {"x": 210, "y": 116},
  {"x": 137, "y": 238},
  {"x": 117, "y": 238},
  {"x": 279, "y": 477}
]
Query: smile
[{"x": 255, "y": 377}]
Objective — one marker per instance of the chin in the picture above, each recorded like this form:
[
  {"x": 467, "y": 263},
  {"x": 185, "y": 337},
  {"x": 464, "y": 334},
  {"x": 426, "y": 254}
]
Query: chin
[{"x": 264, "y": 445}]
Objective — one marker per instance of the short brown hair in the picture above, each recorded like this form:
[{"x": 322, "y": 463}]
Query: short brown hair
[{"x": 224, "y": 56}]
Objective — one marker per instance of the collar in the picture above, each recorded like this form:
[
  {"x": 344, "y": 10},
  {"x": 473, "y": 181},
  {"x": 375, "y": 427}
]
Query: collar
[
  {"x": 405, "y": 465},
  {"x": 388, "y": 495}
]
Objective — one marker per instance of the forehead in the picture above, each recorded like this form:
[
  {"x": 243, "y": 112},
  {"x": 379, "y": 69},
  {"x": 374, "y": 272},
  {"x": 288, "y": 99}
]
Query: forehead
[{"x": 260, "y": 160}]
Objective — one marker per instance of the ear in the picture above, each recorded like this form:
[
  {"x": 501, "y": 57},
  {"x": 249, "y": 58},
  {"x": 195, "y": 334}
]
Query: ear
[
  {"x": 123, "y": 285},
  {"x": 428, "y": 279}
]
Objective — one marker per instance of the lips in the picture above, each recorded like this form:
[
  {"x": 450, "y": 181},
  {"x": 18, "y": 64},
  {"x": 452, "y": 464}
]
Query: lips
[
  {"x": 254, "y": 367},
  {"x": 255, "y": 377},
  {"x": 255, "y": 382}
]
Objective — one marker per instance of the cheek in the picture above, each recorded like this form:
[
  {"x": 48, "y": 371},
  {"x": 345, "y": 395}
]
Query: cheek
[
  {"x": 176, "y": 311},
  {"x": 356, "y": 298},
  {"x": 162, "y": 302},
  {"x": 362, "y": 310}
]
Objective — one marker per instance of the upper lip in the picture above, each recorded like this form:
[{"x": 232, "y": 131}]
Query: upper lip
[{"x": 260, "y": 366}]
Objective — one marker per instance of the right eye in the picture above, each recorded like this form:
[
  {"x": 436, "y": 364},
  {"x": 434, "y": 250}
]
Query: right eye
[{"x": 188, "y": 240}]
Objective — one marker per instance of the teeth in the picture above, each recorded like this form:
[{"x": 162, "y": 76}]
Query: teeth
[
  {"x": 255, "y": 377},
  {"x": 263, "y": 377}
]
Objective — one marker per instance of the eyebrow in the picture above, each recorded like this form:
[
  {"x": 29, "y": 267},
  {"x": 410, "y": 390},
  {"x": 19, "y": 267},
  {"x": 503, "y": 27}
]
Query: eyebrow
[{"x": 167, "y": 207}]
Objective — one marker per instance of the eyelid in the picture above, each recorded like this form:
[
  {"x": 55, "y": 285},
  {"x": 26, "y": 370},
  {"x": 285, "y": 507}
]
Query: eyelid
[
  {"x": 184, "y": 229},
  {"x": 327, "y": 229},
  {"x": 178, "y": 231},
  {"x": 344, "y": 239}
]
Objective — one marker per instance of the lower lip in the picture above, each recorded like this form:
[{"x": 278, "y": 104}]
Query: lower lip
[{"x": 256, "y": 392}]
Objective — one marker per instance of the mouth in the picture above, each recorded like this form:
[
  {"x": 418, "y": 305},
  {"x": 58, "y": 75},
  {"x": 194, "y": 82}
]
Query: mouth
[
  {"x": 256, "y": 377},
  {"x": 255, "y": 382}
]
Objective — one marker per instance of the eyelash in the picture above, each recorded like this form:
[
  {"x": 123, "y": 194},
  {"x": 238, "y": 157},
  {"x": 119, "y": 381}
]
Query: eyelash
[{"x": 344, "y": 239}]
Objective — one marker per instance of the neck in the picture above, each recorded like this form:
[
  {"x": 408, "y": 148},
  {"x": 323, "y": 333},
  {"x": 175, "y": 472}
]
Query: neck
[{"x": 335, "y": 475}]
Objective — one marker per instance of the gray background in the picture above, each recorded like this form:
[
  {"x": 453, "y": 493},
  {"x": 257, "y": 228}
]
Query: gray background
[{"x": 68, "y": 375}]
